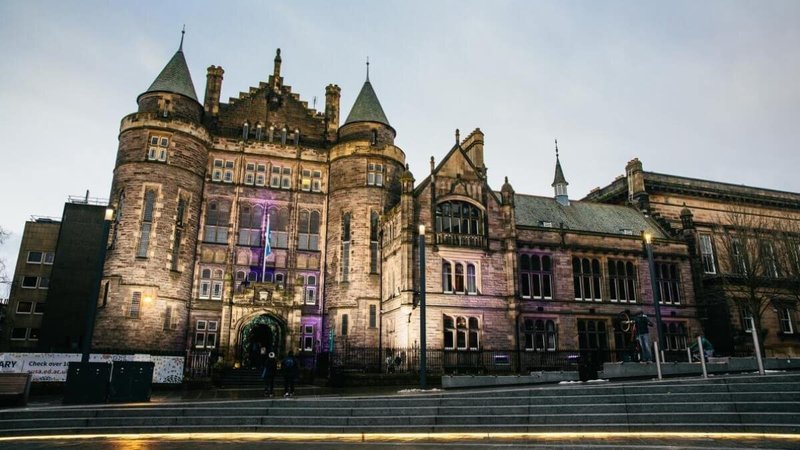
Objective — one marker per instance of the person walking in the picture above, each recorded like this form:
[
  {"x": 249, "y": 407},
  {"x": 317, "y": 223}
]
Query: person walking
[
  {"x": 290, "y": 369},
  {"x": 270, "y": 367}
]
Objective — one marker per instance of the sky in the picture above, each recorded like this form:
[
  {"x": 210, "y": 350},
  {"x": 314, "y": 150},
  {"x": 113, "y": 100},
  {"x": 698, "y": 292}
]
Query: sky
[{"x": 699, "y": 89}]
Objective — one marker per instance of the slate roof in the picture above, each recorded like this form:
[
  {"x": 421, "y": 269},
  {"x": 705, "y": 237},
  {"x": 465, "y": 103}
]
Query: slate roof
[
  {"x": 175, "y": 78},
  {"x": 367, "y": 108},
  {"x": 532, "y": 210}
]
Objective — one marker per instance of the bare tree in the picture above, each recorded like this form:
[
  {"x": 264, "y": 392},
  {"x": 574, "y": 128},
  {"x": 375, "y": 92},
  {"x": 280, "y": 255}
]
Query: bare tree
[
  {"x": 3, "y": 276},
  {"x": 750, "y": 248}
]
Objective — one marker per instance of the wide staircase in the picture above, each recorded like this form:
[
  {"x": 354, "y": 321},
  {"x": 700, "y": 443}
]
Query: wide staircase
[{"x": 751, "y": 403}]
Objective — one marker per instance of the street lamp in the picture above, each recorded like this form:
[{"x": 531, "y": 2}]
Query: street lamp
[
  {"x": 422, "y": 332},
  {"x": 648, "y": 245}
]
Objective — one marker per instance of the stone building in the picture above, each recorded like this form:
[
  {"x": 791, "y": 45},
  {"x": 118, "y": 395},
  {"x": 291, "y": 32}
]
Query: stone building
[
  {"x": 744, "y": 246},
  {"x": 261, "y": 222},
  {"x": 27, "y": 300}
]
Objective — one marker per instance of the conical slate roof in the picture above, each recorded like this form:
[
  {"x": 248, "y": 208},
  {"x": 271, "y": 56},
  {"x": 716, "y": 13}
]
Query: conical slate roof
[
  {"x": 175, "y": 78},
  {"x": 367, "y": 108},
  {"x": 559, "y": 178}
]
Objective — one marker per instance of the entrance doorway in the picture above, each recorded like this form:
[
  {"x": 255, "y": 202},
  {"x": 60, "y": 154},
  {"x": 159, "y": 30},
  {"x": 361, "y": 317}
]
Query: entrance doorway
[{"x": 263, "y": 331}]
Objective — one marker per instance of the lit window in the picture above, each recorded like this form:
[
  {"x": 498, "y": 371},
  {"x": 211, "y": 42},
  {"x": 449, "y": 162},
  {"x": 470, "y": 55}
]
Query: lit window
[
  {"x": 316, "y": 181},
  {"x": 307, "y": 338}
]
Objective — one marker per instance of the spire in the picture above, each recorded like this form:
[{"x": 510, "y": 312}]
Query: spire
[
  {"x": 367, "y": 108},
  {"x": 175, "y": 76},
  {"x": 559, "y": 182},
  {"x": 183, "y": 31}
]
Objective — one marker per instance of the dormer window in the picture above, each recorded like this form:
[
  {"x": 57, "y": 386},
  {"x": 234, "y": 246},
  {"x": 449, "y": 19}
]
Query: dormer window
[
  {"x": 546, "y": 224},
  {"x": 626, "y": 231}
]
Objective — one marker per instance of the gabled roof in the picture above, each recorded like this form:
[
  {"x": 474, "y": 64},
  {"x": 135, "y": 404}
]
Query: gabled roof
[
  {"x": 175, "y": 78},
  {"x": 532, "y": 211},
  {"x": 367, "y": 108}
]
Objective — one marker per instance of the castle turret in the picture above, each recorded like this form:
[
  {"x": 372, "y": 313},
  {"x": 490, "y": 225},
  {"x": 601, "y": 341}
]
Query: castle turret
[
  {"x": 156, "y": 193},
  {"x": 637, "y": 195},
  {"x": 332, "y": 95},
  {"x": 213, "y": 90},
  {"x": 365, "y": 172}
]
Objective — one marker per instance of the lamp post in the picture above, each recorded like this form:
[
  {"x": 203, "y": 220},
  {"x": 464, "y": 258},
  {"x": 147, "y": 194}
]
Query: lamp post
[
  {"x": 648, "y": 244},
  {"x": 422, "y": 332}
]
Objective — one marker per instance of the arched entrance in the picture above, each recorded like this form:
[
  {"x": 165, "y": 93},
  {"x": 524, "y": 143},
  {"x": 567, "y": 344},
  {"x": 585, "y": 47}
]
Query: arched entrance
[{"x": 262, "y": 331}]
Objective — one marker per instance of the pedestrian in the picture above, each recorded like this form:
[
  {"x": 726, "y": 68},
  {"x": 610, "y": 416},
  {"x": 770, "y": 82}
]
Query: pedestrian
[
  {"x": 389, "y": 364},
  {"x": 270, "y": 367},
  {"x": 643, "y": 335},
  {"x": 397, "y": 361},
  {"x": 290, "y": 369}
]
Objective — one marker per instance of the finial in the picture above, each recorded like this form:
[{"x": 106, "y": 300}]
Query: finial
[
  {"x": 183, "y": 31},
  {"x": 458, "y": 136},
  {"x": 278, "y": 55},
  {"x": 556, "y": 148},
  {"x": 506, "y": 180},
  {"x": 367, "y": 68}
]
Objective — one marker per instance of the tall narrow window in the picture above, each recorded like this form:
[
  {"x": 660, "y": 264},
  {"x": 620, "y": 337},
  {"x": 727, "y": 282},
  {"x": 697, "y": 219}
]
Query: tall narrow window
[
  {"x": 216, "y": 285},
  {"x": 707, "y": 253},
  {"x": 447, "y": 276},
  {"x": 345, "y": 324},
  {"x": 459, "y": 277},
  {"x": 373, "y": 316},
  {"x": 205, "y": 284},
  {"x": 308, "y": 230},
  {"x": 310, "y": 289},
  {"x": 472, "y": 285},
  {"x": 217, "y": 216},
  {"x": 373, "y": 242},
  {"x": 621, "y": 281},
  {"x": 668, "y": 283},
  {"x": 136, "y": 302},
  {"x": 245, "y": 131},
  {"x": 346, "y": 247},
  {"x": 770, "y": 264},
  {"x": 250, "y": 218},
  {"x": 147, "y": 223},
  {"x": 785, "y": 320},
  {"x": 738, "y": 257},
  {"x": 279, "y": 227},
  {"x": 176, "y": 242},
  {"x": 586, "y": 279}
]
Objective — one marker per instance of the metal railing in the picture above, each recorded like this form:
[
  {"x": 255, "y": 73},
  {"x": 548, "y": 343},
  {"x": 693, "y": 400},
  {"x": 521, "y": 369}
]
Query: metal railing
[
  {"x": 198, "y": 364},
  {"x": 406, "y": 360}
]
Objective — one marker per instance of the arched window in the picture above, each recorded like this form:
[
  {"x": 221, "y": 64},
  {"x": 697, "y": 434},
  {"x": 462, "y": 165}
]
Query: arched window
[
  {"x": 463, "y": 333},
  {"x": 459, "y": 223},
  {"x": 308, "y": 230},
  {"x": 250, "y": 218},
  {"x": 472, "y": 286},
  {"x": 147, "y": 223},
  {"x": 216, "y": 285},
  {"x": 245, "y": 130},
  {"x": 540, "y": 334},
  {"x": 447, "y": 280},
  {"x": 459, "y": 277},
  {"x": 205, "y": 284},
  {"x": 217, "y": 217},
  {"x": 373, "y": 242}
]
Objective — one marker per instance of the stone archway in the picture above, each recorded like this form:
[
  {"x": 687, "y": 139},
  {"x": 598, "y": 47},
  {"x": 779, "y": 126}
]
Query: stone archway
[{"x": 263, "y": 330}]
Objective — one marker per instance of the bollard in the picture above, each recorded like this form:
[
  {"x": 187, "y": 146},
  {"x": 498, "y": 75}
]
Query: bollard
[
  {"x": 758, "y": 350},
  {"x": 658, "y": 359},
  {"x": 688, "y": 354},
  {"x": 702, "y": 356}
]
